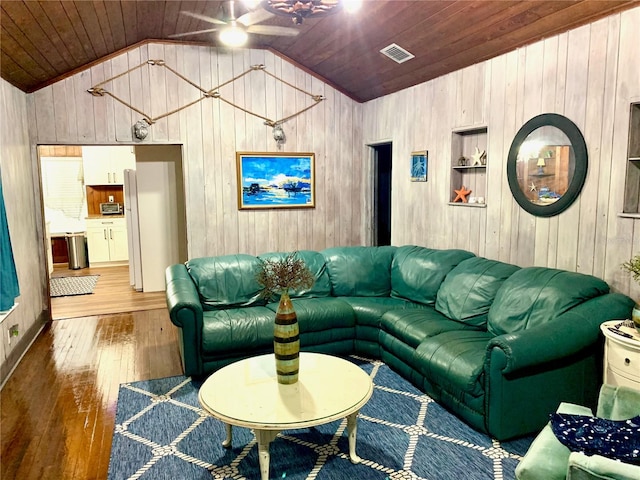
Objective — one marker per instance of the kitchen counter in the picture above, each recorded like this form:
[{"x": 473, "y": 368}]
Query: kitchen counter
[
  {"x": 103, "y": 217},
  {"x": 63, "y": 234}
]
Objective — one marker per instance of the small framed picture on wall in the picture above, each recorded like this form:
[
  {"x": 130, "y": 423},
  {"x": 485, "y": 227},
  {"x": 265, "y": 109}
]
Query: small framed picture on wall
[{"x": 419, "y": 166}]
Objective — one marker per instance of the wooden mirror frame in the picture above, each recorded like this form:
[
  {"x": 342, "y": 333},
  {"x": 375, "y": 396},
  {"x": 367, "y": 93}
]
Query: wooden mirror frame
[{"x": 581, "y": 163}]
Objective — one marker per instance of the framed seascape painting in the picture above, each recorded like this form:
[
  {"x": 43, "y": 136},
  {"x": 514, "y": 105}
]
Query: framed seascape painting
[
  {"x": 419, "y": 166},
  {"x": 275, "y": 180}
]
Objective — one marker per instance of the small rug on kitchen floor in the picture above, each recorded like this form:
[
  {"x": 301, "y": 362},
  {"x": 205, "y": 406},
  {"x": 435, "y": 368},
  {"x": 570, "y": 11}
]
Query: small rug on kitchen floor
[
  {"x": 161, "y": 432},
  {"x": 67, "y": 286}
]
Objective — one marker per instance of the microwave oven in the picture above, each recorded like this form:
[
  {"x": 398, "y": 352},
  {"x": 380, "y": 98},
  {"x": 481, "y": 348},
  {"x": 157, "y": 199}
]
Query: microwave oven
[{"x": 111, "y": 208}]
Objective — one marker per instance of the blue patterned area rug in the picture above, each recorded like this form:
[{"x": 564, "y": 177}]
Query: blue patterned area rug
[{"x": 162, "y": 433}]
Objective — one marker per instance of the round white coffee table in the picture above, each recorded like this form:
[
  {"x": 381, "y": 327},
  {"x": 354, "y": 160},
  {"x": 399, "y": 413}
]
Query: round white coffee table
[{"x": 247, "y": 394}]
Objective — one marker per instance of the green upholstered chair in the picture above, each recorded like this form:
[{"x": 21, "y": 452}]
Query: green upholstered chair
[{"x": 548, "y": 459}]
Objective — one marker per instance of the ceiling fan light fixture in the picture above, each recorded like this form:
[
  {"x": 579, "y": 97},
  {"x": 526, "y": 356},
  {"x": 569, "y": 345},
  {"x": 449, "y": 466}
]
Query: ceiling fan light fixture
[
  {"x": 251, "y": 4},
  {"x": 352, "y": 6},
  {"x": 299, "y": 10},
  {"x": 234, "y": 35}
]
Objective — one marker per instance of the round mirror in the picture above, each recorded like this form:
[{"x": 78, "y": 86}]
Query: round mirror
[{"x": 547, "y": 164}]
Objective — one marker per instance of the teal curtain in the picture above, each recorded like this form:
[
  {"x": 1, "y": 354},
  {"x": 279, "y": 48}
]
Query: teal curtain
[{"x": 9, "y": 288}]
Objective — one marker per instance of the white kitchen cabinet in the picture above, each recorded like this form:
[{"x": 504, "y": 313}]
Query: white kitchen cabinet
[
  {"x": 104, "y": 165},
  {"x": 107, "y": 240},
  {"x": 118, "y": 248}
]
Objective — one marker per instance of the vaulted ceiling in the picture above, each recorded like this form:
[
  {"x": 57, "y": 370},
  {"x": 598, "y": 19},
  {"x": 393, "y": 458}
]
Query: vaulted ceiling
[{"x": 42, "y": 42}]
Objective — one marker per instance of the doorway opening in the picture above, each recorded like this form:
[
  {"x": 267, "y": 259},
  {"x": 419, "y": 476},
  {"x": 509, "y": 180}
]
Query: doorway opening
[
  {"x": 382, "y": 166},
  {"x": 73, "y": 199}
]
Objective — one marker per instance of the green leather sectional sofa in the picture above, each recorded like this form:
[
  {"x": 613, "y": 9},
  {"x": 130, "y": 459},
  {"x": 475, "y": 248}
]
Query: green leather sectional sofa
[{"x": 498, "y": 345}]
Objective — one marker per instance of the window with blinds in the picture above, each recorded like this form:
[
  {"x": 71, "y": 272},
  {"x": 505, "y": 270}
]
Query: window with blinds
[{"x": 63, "y": 186}]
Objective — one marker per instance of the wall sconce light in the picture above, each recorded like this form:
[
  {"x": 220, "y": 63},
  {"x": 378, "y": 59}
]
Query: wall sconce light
[
  {"x": 141, "y": 129},
  {"x": 278, "y": 134}
]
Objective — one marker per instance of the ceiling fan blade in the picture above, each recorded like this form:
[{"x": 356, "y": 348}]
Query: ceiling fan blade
[
  {"x": 197, "y": 32},
  {"x": 273, "y": 30},
  {"x": 206, "y": 18},
  {"x": 256, "y": 16}
]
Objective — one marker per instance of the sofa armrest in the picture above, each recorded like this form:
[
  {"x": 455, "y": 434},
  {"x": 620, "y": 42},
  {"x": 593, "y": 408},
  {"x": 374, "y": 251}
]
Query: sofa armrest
[
  {"x": 533, "y": 370},
  {"x": 568, "y": 334},
  {"x": 547, "y": 458},
  {"x": 185, "y": 311},
  {"x": 559, "y": 338},
  {"x": 181, "y": 293},
  {"x": 583, "y": 467}
]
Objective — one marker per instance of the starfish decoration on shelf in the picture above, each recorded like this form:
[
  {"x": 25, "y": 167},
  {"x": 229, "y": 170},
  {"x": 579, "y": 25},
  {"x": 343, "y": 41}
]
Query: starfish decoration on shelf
[
  {"x": 461, "y": 194},
  {"x": 532, "y": 187},
  {"x": 478, "y": 156}
]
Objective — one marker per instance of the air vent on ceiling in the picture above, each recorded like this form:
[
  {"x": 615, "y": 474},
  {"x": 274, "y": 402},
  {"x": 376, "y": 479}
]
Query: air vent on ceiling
[{"x": 396, "y": 53}]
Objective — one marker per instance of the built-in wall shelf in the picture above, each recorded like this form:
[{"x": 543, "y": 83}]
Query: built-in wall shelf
[
  {"x": 468, "y": 167},
  {"x": 466, "y": 145},
  {"x": 629, "y": 215},
  {"x": 632, "y": 179},
  {"x": 472, "y": 205}
]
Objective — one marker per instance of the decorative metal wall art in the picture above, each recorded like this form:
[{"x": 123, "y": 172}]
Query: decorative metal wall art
[
  {"x": 141, "y": 129},
  {"x": 278, "y": 134}
]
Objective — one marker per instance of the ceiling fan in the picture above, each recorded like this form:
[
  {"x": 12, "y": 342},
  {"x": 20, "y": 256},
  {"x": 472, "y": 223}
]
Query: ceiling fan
[{"x": 234, "y": 31}]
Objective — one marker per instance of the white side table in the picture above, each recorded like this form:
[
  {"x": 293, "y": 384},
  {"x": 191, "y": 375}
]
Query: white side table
[{"x": 621, "y": 354}]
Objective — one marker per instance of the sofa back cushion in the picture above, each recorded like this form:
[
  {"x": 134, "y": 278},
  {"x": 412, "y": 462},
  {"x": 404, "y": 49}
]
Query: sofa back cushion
[
  {"x": 470, "y": 288},
  {"x": 359, "y": 271},
  {"x": 226, "y": 281},
  {"x": 535, "y": 295},
  {"x": 418, "y": 272},
  {"x": 315, "y": 262}
]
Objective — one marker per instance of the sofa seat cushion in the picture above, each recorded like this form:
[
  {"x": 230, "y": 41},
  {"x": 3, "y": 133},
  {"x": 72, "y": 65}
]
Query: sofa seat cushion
[
  {"x": 533, "y": 295},
  {"x": 470, "y": 288},
  {"x": 236, "y": 330},
  {"x": 369, "y": 310},
  {"x": 454, "y": 360},
  {"x": 227, "y": 281},
  {"x": 359, "y": 271},
  {"x": 318, "y": 314},
  {"x": 412, "y": 326},
  {"x": 418, "y": 272},
  {"x": 315, "y": 263}
]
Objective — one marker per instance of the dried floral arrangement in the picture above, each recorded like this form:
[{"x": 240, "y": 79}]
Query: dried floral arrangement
[
  {"x": 280, "y": 276},
  {"x": 633, "y": 267}
]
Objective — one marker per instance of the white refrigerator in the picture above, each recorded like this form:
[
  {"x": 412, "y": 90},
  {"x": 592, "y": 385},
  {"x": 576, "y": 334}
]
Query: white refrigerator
[{"x": 133, "y": 229}]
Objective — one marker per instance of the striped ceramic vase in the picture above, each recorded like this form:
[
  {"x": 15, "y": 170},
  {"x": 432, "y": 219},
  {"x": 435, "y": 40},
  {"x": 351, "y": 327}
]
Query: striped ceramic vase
[{"x": 286, "y": 341}]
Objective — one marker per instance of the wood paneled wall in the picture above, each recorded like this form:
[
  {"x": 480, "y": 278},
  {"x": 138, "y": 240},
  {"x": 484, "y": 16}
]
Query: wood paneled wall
[
  {"x": 212, "y": 131},
  {"x": 24, "y": 220},
  {"x": 589, "y": 74},
  {"x": 60, "y": 151},
  {"x": 97, "y": 194}
]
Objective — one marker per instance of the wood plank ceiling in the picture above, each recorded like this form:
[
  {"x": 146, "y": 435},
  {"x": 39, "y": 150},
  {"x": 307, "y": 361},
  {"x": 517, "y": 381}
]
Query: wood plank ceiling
[{"x": 42, "y": 42}]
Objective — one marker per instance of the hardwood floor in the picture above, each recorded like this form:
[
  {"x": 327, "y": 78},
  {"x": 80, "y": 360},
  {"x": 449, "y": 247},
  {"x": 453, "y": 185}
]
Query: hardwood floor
[
  {"x": 57, "y": 410},
  {"x": 112, "y": 294}
]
